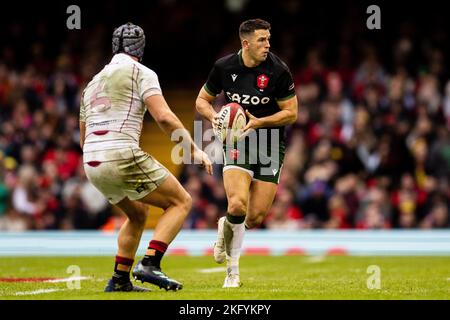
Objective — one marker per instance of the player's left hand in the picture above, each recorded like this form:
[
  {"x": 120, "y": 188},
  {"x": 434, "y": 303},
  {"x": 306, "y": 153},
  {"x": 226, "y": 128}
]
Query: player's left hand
[
  {"x": 202, "y": 158},
  {"x": 253, "y": 123}
]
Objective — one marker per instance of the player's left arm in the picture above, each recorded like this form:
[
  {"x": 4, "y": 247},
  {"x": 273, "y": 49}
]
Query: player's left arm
[
  {"x": 82, "y": 121},
  {"x": 82, "y": 133},
  {"x": 287, "y": 115}
]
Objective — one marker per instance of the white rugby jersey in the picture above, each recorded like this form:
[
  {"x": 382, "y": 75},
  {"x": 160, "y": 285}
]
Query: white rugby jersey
[{"x": 112, "y": 104}]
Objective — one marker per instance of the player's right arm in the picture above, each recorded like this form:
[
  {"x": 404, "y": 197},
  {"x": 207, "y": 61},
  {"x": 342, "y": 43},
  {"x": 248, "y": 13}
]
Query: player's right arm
[
  {"x": 169, "y": 122},
  {"x": 203, "y": 104},
  {"x": 163, "y": 115},
  {"x": 208, "y": 93}
]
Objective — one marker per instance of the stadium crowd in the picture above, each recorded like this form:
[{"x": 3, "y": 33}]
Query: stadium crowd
[{"x": 370, "y": 148}]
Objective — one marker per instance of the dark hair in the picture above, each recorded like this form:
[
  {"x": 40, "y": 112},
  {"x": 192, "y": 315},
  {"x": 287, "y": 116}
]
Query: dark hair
[{"x": 249, "y": 26}]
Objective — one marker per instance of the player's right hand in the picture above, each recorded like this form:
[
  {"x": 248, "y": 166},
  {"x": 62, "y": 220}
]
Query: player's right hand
[
  {"x": 202, "y": 158},
  {"x": 215, "y": 120}
]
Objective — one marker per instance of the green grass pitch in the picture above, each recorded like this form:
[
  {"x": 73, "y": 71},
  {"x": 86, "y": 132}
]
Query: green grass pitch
[{"x": 263, "y": 277}]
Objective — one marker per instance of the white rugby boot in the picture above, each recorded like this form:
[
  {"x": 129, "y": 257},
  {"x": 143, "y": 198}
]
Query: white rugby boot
[{"x": 232, "y": 280}]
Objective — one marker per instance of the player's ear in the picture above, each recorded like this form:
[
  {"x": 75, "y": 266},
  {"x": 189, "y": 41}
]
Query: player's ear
[{"x": 245, "y": 43}]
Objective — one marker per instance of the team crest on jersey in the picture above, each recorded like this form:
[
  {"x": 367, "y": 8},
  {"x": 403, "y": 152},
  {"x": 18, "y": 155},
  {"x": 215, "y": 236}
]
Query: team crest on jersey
[
  {"x": 234, "y": 154},
  {"x": 262, "y": 81}
]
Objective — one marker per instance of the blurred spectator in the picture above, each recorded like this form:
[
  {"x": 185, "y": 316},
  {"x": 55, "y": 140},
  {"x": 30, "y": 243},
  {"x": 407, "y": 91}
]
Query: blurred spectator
[
  {"x": 278, "y": 218},
  {"x": 437, "y": 218},
  {"x": 25, "y": 195},
  {"x": 372, "y": 218},
  {"x": 408, "y": 200},
  {"x": 13, "y": 221},
  {"x": 374, "y": 211},
  {"x": 286, "y": 212},
  {"x": 339, "y": 214}
]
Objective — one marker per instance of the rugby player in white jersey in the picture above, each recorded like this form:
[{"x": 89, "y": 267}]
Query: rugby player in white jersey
[{"x": 112, "y": 110}]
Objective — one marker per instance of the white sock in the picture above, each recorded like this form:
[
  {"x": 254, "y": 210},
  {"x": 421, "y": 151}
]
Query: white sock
[{"x": 234, "y": 237}]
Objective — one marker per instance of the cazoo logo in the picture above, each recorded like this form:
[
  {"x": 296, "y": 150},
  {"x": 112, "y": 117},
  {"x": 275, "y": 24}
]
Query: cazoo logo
[{"x": 247, "y": 99}]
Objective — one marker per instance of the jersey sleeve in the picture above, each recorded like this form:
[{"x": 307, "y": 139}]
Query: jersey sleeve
[
  {"x": 213, "y": 84},
  {"x": 285, "y": 86},
  {"x": 82, "y": 109},
  {"x": 148, "y": 83}
]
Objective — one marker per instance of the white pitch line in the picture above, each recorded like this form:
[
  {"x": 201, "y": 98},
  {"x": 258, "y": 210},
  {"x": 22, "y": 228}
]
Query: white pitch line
[
  {"x": 67, "y": 279},
  {"x": 25, "y": 293},
  {"x": 316, "y": 259},
  {"x": 40, "y": 291},
  {"x": 212, "y": 270}
]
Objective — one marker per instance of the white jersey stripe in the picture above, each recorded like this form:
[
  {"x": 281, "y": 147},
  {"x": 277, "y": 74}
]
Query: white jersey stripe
[{"x": 131, "y": 99}]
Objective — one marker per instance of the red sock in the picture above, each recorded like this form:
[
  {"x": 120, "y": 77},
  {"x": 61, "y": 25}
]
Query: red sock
[
  {"x": 154, "y": 253},
  {"x": 122, "y": 269}
]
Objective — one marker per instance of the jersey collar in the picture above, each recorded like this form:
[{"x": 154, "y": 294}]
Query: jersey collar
[
  {"x": 241, "y": 61},
  {"x": 121, "y": 57}
]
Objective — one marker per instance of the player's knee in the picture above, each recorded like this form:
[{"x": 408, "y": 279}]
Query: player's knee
[
  {"x": 139, "y": 215},
  {"x": 184, "y": 202},
  {"x": 136, "y": 212},
  {"x": 254, "y": 221},
  {"x": 237, "y": 206},
  {"x": 187, "y": 201},
  {"x": 141, "y": 219}
]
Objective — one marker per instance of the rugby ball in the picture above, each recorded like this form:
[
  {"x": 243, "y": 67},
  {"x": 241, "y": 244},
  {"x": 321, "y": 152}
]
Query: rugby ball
[{"x": 231, "y": 122}]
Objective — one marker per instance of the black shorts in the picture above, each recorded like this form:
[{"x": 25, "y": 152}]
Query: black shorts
[{"x": 263, "y": 161}]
